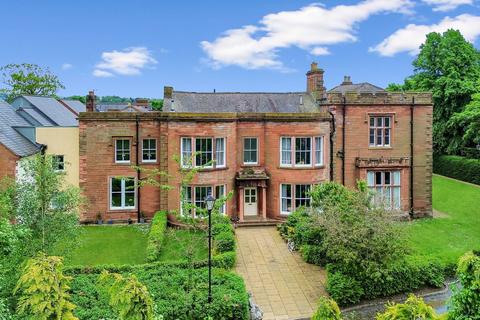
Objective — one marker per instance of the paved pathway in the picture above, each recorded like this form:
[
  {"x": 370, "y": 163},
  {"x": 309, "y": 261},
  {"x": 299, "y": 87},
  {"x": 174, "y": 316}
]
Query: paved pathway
[{"x": 282, "y": 284}]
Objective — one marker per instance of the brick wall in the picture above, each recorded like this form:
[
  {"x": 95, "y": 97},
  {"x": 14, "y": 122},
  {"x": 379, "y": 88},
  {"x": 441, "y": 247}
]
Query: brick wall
[{"x": 8, "y": 162}]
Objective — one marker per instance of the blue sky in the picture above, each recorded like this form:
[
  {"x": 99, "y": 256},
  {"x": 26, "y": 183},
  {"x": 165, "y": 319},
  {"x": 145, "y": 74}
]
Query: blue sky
[{"x": 134, "y": 48}]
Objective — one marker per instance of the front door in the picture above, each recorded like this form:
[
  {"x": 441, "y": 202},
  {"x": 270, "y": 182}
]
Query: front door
[{"x": 250, "y": 202}]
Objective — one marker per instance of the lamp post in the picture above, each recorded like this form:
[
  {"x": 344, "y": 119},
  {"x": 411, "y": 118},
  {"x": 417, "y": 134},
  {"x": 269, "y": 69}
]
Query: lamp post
[{"x": 210, "y": 202}]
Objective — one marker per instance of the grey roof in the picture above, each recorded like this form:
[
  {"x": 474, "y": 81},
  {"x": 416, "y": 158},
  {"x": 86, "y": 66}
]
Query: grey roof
[
  {"x": 34, "y": 117},
  {"x": 10, "y": 137},
  {"x": 121, "y": 107},
  {"x": 363, "y": 87},
  {"x": 290, "y": 102},
  {"x": 75, "y": 105},
  {"x": 54, "y": 110}
]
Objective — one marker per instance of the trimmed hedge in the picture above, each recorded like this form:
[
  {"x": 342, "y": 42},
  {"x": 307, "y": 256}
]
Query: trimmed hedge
[
  {"x": 400, "y": 278},
  {"x": 458, "y": 168},
  {"x": 177, "y": 293},
  {"x": 156, "y": 235}
]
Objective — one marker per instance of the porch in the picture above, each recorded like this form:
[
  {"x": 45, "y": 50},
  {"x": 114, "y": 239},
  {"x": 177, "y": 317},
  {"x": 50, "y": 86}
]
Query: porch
[{"x": 252, "y": 195}]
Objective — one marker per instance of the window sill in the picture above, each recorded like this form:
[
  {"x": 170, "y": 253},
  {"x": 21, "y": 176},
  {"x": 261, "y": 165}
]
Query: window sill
[
  {"x": 149, "y": 162},
  {"x": 379, "y": 148},
  {"x": 112, "y": 210},
  {"x": 301, "y": 167},
  {"x": 123, "y": 163},
  {"x": 252, "y": 164},
  {"x": 205, "y": 169}
]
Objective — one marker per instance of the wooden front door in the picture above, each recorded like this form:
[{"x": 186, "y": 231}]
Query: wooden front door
[{"x": 250, "y": 203}]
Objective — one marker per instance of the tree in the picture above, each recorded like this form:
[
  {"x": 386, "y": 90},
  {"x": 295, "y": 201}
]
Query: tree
[
  {"x": 46, "y": 205},
  {"x": 449, "y": 67},
  {"x": 82, "y": 99},
  {"x": 413, "y": 308},
  {"x": 29, "y": 79},
  {"x": 44, "y": 290},
  {"x": 468, "y": 122},
  {"x": 157, "y": 104},
  {"x": 129, "y": 298},
  {"x": 465, "y": 303}
]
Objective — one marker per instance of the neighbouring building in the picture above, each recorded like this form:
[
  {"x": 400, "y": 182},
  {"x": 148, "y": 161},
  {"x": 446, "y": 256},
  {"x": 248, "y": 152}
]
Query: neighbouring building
[
  {"x": 268, "y": 148},
  {"x": 47, "y": 124}
]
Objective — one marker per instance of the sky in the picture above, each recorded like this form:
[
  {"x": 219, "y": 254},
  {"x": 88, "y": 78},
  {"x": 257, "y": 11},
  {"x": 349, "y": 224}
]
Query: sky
[{"x": 135, "y": 48}]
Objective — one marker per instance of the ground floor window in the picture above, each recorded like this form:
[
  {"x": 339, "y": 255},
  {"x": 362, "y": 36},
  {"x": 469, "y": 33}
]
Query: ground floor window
[
  {"x": 122, "y": 193},
  {"x": 294, "y": 196},
  {"x": 58, "y": 163},
  {"x": 196, "y": 195},
  {"x": 386, "y": 188}
]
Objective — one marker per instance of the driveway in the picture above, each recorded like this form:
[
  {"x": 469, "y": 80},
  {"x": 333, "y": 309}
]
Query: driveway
[{"x": 282, "y": 284}]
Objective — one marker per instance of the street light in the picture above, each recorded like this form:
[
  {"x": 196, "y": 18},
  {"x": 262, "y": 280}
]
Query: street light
[{"x": 209, "y": 202}]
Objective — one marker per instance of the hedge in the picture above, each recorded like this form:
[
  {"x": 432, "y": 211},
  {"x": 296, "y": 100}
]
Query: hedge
[
  {"x": 156, "y": 235},
  {"x": 177, "y": 293},
  {"x": 406, "y": 276},
  {"x": 458, "y": 168}
]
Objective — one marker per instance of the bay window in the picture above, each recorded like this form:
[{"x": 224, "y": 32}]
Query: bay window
[
  {"x": 386, "y": 188},
  {"x": 301, "y": 151},
  {"x": 202, "y": 152}
]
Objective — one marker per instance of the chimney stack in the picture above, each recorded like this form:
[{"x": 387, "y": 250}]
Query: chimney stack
[
  {"x": 90, "y": 101},
  {"x": 167, "y": 92},
  {"x": 347, "y": 80},
  {"x": 315, "y": 81}
]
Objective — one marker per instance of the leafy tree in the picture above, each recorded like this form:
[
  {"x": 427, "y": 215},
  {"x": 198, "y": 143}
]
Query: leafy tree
[
  {"x": 44, "y": 290},
  {"x": 29, "y": 79},
  {"x": 413, "y": 308},
  {"x": 129, "y": 298},
  {"x": 114, "y": 99},
  {"x": 82, "y": 99},
  {"x": 46, "y": 205},
  {"x": 465, "y": 303},
  {"x": 157, "y": 104},
  {"x": 327, "y": 310},
  {"x": 468, "y": 122},
  {"x": 449, "y": 67}
]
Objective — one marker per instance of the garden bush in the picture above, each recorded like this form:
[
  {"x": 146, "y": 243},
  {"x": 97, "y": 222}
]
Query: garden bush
[
  {"x": 457, "y": 167},
  {"x": 224, "y": 242},
  {"x": 314, "y": 254},
  {"x": 327, "y": 310},
  {"x": 177, "y": 294},
  {"x": 156, "y": 235},
  {"x": 413, "y": 308}
]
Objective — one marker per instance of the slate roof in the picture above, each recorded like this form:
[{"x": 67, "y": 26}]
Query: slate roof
[
  {"x": 57, "y": 114},
  {"x": 10, "y": 137},
  {"x": 290, "y": 102},
  {"x": 363, "y": 87},
  {"x": 35, "y": 116},
  {"x": 121, "y": 107},
  {"x": 75, "y": 105}
]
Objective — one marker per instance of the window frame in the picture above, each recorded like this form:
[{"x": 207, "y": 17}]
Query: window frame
[
  {"x": 322, "y": 152},
  {"x": 56, "y": 163},
  {"x": 149, "y": 149},
  {"x": 251, "y": 150},
  {"x": 191, "y": 162},
  {"x": 123, "y": 150},
  {"x": 224, "y": 153},
  {"x": 122, "y": 194},
  {"x": 194, "y": 152},
  {"x": 293, "y": 197},
  {"x": 302, "y": 151},
  {"x": 217, "y": 196},
  {"x": 382, "y": 128},
  {"x": 392, "y": 186},
  {"x": 293, "y": 151}
]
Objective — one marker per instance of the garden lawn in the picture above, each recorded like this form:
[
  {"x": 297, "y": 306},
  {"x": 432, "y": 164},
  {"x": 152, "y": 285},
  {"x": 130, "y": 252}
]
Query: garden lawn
[
  {"x": 179, "y": 244},
  {"x": 109, "y": 245},
  {"x": 458, "y": 231}
]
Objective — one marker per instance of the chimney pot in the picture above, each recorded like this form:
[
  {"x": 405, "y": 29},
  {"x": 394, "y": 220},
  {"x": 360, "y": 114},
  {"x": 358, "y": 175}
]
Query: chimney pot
[
  {"x": 347, "y": 80},
  {"x": 90, "y": 103},
  {"x": 315, "y": 82}
]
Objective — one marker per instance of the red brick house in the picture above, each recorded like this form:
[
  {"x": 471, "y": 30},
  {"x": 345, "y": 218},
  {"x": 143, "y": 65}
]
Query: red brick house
[{"x": 268, "y": 148}]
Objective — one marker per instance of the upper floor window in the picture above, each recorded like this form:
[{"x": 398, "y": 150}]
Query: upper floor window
[
  {"x": 200, "y": 152},
  {"x": 250, "y": 150},
  {"x": 122, "y": 151},
  {"x": 58, "y": 162},
  {"x": 380, "y": 131},
  {"x": 386, "y": 188},
  {"x": 122, "y": 193},
  {"x": 149, "y": 150},
  {"x": 300, "y": 151}
]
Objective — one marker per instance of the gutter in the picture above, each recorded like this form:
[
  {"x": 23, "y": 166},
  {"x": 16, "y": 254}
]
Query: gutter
[
  {"x": 344, "y": 112},
  {"x": 137, "y": 125},
  {"x": 411, "y": 157},
  {"x": 332, "y": 134}
]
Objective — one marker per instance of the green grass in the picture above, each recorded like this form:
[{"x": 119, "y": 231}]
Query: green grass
[
  {"x": 179, "y": 244},
  {"x": 448, "y": 237},
  {"x": 109, "y": 245}
]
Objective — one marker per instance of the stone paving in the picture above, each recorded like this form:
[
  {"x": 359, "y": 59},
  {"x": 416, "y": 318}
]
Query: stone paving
[{"x": 282, "y": 284}]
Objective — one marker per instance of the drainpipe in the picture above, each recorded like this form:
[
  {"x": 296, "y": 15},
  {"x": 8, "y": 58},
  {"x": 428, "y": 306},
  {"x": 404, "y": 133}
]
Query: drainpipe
[
  {"x": 411, "y": 156},
  {"x": 332, "y": 134},
  {"x": 137, "y": 125},
  {"x": 344, "y": 113}
]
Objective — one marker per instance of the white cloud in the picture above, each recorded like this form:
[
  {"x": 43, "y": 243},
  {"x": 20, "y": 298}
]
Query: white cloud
[
  {"x": 129, "y": 61},
  {"x": 67, "y": 66},
  {"x": 310, "y": 28},
  {"x": 320, "y": 51},
  {"x": 446, "y": 5},
  {"x": 410, "y": 38},
  {"x": 102, "y": 73}
]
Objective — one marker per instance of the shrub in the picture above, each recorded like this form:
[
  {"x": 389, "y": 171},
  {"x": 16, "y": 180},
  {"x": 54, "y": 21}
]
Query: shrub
[
  {"x": 413, "y": 308},
  {"x": 177, "y": 294},
  {"x": 221, "y": 227},
  {"x": 224, "y": 242},
  {"x": 327, "y": 310},
  {"x": 465, "y": 302},
  {"x": 458, "y": 168},
  {"x": 314, "y": 254},
  {"x": 156, "y": 235},
  {"x": 402, "y": 276}
]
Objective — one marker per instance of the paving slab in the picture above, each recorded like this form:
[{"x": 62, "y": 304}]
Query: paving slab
[{"x": 282, "y": 284}]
